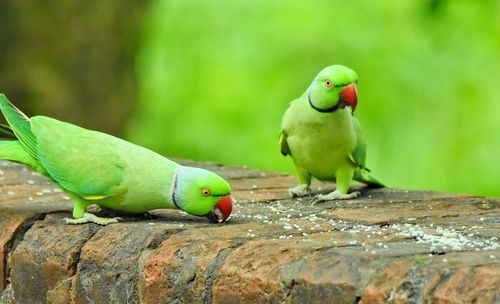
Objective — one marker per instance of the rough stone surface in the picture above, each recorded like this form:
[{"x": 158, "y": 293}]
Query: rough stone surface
[
  {"x": 109, "y": 263},
  {"x": 9, "y": 224},
  {"x": 387, "y": 246},
  {"x": 45, "y": 260}
]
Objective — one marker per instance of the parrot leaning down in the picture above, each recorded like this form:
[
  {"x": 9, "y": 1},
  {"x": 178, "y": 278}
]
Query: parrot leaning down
[
  {"x": 323, "y": 137},
  {"x": 97, "y": 168}
]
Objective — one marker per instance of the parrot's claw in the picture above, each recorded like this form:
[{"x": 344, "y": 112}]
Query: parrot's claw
[
  {"x": 91, "y": 218},
  {"x": 299, "y": 190},
  {"x": 335, "y": 195}
]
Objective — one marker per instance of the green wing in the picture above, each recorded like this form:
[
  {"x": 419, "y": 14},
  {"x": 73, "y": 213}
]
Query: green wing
[
  {"x": 284, "y": 148},
  {"x": 358, "y": 155},
  {"x": 84, "y": 162}
]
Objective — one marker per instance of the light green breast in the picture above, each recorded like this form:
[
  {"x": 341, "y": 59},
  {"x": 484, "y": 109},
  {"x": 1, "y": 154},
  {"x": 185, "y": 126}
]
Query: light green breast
[{"x": 319, "y": 142}]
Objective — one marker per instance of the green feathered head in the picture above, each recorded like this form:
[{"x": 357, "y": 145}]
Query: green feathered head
[
  {"x": 333, "y": 88},
  {"x": 203, "y": 193}
]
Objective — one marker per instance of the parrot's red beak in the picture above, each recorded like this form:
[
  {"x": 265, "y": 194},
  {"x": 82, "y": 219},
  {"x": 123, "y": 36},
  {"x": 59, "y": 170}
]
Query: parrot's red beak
[
  {"x": 349, "y": 95},
  {"x": 225, "y": 206},
  {"x": 222, "y": 210}
]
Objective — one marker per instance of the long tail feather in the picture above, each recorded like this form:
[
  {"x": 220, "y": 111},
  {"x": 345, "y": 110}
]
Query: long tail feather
[
  {"x": 363, "y": 176},
  {"x": 20, "y": 125}
]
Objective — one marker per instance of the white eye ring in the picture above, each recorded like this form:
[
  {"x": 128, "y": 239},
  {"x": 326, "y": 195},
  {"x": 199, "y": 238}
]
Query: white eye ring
[
  {"x": 328, "y": 84},
  {"x": 205, "y": 192}
]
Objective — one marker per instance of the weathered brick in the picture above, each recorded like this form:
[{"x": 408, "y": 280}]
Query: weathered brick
[
  {"x": 9, "y": 224},
  {"x": 250, "y": 274},
  {"x": 47, "y": 256},
  {"x": 470, "y": 285},
  {"x": 109, "y": 263},
  {"x": 386, "y": 282},
  {"x": 388, "y": 245},
  {"x": 178, "y": 270}
]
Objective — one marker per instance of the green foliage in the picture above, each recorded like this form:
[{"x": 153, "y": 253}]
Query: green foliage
[{"x": 215, "y": 77}]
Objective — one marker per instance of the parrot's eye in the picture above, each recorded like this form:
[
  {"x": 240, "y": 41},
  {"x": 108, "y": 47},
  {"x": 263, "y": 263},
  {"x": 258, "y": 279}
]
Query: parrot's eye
[
  {"x": 205, "y": 192},
  {"x": 328, "y": 84}
]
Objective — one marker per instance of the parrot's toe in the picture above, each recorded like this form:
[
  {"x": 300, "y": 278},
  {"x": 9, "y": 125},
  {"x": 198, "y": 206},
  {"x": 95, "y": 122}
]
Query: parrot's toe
[
  {"x": 335, "y": 195},
  {"x": 106, "y": 221},
  {"x": 69, "y": 221},
  {"x": 299, "y": 190},
  {"x": 91, "y": 218}
]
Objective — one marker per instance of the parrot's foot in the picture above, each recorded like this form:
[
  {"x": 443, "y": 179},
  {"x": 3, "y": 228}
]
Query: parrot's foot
[
  {"x": 91, "y": 218},
  {"x": 299, "y": 190},
  {"x": 335, "y": 195}
]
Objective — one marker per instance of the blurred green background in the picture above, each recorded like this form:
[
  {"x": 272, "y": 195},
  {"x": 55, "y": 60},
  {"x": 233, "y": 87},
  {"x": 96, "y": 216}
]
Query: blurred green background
[{"x": 210, "y": 80}]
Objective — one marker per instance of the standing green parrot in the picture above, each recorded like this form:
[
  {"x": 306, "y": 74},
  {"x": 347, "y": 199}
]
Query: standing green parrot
[
  {"x": 323, "y": 137},
  {"x": 96, "y": 168}
]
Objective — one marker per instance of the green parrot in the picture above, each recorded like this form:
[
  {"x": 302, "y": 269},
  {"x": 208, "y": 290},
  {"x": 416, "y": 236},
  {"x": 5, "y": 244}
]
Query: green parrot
[
  {"x": 323, "y": 137},
  {"x": 97, "y": 168}
]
